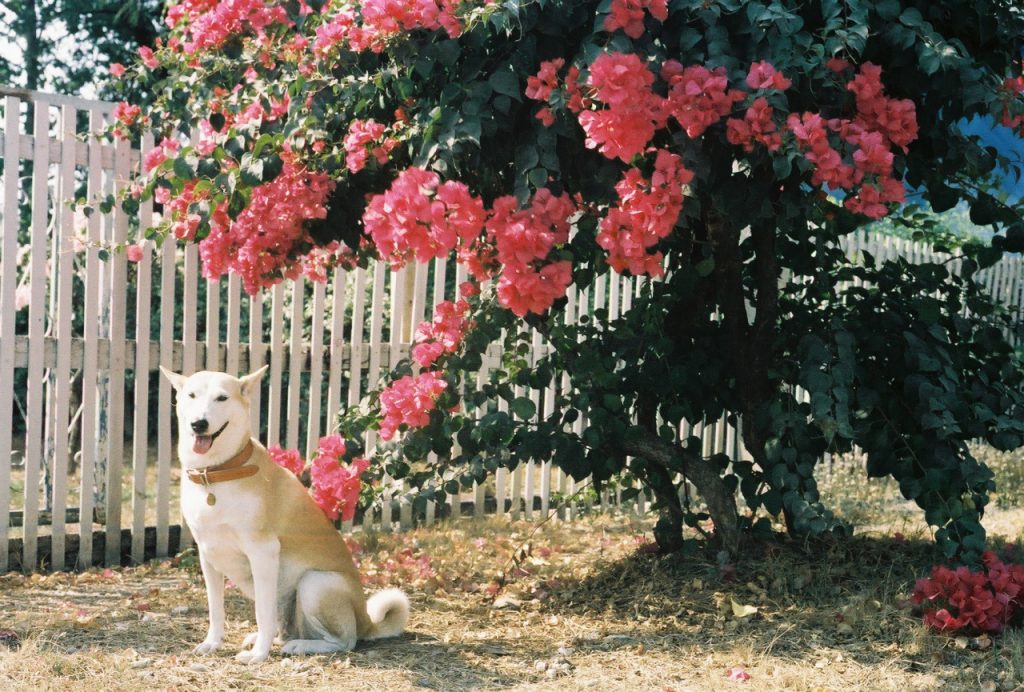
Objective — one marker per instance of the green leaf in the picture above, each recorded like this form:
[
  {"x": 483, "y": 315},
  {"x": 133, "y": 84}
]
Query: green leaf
[
  {"x": 523, "y": 407},
  {"x": 506, "y": 82},
  {"x": 182, "y": 169}
]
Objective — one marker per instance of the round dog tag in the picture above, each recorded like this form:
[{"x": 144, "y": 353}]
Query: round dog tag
[{"x": 211, "y": 499}]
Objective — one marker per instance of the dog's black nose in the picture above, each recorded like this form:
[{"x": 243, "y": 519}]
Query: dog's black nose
[{"x": 200, "y": 425}]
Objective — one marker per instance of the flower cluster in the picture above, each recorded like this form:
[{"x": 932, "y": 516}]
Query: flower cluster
[
  {"x": 647, "y": 212},
  {"x": 628, "y": 15},
  {"x": 540, "y": 86},
  {"x": 811, "y": 133},
  {"x": 209, "y": 24},
  {"x": 157, "y": 155},
  {"x": 381, "y": 20},
  {"x": 126, "y": 115},
  {"x": 441, "y": 335},
  {"x": 408, "y": 401},
  {"x": 258, "y": 244},
  {"x": 632, "y": 113},
  {"x": 317, "y": 264},
  {"x": 523, "y": 239},
  {"x": 287, "y": 458},
  {"x": 698, "y": 97},
  {"x": 763, "y": 75},
  {"x": 335, "y": 486},
  {"x": 895, "y": 119},
  {"x": 1011, "y": 89},
  {"x": 366, "y": 138},
  {"x": 757, "y": 125},
  {"x": 961, "y": 599},
  {"x": 418, "y": 216},
  {"x": 880, "y": 123},
  {"x": 184, "y": 219}
]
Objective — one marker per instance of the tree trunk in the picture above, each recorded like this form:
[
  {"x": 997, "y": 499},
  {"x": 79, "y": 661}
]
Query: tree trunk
[
  {"x": 702, "y": 473},
  {"x": 32, "y": 56}
]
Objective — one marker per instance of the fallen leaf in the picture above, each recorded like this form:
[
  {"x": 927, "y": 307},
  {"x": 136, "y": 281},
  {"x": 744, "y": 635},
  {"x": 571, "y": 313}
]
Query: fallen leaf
[
  {"x": 739, "y": 674},
  {"x": 742, "y": 611}
]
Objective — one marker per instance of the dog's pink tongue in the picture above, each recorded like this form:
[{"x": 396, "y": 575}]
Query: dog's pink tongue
[{"x": 202, "y": 444}]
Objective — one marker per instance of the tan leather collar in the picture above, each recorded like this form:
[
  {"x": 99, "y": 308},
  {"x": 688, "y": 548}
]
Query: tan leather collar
[{"x": 230, "y": 470}]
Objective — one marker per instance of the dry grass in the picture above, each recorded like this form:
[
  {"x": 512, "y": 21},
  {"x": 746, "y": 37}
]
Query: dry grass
[{"x": 586, "y": 607}]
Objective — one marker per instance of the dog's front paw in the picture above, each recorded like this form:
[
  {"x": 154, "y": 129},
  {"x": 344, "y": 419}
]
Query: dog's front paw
[
  {"x": 252, "y": 656},
  {"x": 208, "y": 646}
]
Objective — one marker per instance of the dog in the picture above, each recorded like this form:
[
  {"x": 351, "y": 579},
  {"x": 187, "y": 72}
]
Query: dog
[{"x": 255, "y": 524}]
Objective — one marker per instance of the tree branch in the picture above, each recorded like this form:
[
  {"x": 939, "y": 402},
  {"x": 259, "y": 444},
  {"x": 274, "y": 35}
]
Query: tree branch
[{"x": 701, "y": 472}]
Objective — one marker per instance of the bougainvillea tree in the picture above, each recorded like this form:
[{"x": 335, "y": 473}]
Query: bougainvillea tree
[{"x": 721, "y": 148}]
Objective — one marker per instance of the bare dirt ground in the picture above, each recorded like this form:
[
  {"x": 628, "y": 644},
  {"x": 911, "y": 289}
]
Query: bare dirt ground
[{"x": 585, "y": 605}]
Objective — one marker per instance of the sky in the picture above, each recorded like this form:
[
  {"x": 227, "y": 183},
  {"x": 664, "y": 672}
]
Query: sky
[{"x": 1007, "y": 143}]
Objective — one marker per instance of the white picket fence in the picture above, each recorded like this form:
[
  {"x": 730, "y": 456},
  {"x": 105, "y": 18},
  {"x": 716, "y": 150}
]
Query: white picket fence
[{"x": 71, "y": 366}]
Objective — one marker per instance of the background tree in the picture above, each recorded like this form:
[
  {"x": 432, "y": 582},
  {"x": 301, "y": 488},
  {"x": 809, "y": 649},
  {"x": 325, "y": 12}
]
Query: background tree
[
  {"x": 720, "y": 147},
  {"x": 68, "y": 45}
]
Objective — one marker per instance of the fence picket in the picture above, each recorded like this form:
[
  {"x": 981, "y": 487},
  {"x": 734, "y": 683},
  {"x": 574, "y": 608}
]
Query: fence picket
[
  {"x": 64, "y": 272},
  {"x": 8, "y": 286},
  {"x": 90, "y": 360},
  {"x": 295, "y": 357},
  {"x": 165, "y": 450},
  {"x": 257, "y": 359},
  {"x": 356, "y": 338},
  {"x": 233, "y": 355},
  {"x": 316, "y": 369},
  {"x": 35, "y": 424},
  {"x": 118, "y": 295},
  {"x": 189, "y": 336},
  {"x": 212, "y": 325},
  {"x": 337, "y": 346},
  {"x": 140, "y": 434},
  {"x": 275, "y": 392}
]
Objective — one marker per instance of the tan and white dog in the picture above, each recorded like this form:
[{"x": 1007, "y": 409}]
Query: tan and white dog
[{"x": 255, "y": 524}]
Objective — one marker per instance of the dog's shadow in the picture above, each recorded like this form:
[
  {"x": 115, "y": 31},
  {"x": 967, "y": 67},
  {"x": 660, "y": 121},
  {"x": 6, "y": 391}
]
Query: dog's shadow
[
  {"x": 425, "y": 661},
  {"x": 431, "y": 663}
]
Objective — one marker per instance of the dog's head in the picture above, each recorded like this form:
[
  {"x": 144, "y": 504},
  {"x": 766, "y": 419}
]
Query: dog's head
[{"x": 213, "y": 412}]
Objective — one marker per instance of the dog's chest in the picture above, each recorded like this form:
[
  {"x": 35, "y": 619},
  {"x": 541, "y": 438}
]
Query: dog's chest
[{"x": 215, "y": 508}]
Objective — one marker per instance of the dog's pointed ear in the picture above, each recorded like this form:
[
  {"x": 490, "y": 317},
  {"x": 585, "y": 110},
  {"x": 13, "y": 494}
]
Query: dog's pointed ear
[
  {"x": 177, "y": 381},
  {"x": 252, "y": 380}
]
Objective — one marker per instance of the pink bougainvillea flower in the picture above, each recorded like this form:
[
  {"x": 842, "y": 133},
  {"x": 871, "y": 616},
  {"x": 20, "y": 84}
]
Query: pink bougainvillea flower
[
  {"x": 261, "y": 240},
  {"x": 628, "y": 15},
  {"x": 287, "y": 458},
  {"x": 443, "y": 334},
  {"x": 763, "y": 75},
  {"x": 623, "y": 83},
  {"x": 148, "y": 57},
  {"x": 336, "y": 486},
  {"x": 420, "y": 217},
  {"x": 134, "y": 253},
  {"x": 409, "y": 401},
  {"x": 647, "y": 212},
  {"x": 698, "y": 97}
]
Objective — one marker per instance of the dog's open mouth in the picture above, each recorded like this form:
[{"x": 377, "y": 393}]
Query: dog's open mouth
[{"x": 202, "y": 443}]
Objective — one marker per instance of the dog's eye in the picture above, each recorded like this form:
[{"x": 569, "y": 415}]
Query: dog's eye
[
  {"x": 222, "y": 397},
  {"x": 191, "y": 395}
]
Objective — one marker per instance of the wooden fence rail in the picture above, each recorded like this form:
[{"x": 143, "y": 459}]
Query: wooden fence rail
[{"x": 83, "y": 331}]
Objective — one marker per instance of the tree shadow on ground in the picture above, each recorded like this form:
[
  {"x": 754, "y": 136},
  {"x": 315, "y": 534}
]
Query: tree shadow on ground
[{"x": 787, "y": 599}]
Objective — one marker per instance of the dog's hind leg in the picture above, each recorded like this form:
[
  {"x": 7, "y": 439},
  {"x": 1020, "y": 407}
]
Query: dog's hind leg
[{"x": 323, "y": 614}]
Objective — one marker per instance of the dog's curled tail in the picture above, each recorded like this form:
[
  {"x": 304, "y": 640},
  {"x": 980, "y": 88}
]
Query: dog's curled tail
[{"x": 389, "y": 612}]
